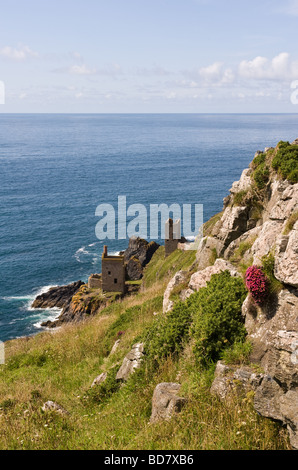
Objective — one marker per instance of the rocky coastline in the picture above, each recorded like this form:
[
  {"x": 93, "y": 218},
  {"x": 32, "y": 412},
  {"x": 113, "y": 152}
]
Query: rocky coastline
[
  {"x": 76, "y": 306},
  {"x": 258, "y": 227}
]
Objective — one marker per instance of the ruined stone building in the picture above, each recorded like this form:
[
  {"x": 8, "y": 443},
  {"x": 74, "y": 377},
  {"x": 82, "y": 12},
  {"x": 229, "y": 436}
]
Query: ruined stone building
[
  {"x": 172, "y": 235},
  {"x": 113, "y": 272}
]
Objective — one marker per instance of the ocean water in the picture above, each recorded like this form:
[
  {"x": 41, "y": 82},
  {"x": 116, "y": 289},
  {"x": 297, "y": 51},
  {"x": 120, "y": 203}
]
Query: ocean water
[{"x": 56, "y": 169}]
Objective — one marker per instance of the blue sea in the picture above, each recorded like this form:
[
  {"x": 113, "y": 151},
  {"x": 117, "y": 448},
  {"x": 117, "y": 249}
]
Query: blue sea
[{"x": 56, "y": 169}]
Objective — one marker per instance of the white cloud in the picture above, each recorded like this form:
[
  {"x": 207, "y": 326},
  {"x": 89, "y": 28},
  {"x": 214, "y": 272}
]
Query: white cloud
[
  {"x": 81, "y": 70},
  {"x": 214, "y": 74},
  {"x": 260, "y": 68},
  {"x": 18, "y": 54}
]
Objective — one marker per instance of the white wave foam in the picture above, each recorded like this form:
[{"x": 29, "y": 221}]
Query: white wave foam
[
  {"x": 45, "y": 316},
  {"x": 190, "y": 239},
  {"x": 18, "y": 297},
  {"x": 29, "y": 297},
  {"x": 79, "y": 252}
]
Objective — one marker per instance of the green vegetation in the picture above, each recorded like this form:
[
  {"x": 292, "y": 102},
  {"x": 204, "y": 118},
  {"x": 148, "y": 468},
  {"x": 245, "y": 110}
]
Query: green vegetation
[
  {"x": 291, "y": 222},
  {"x": 101, "y": 393},
  {"x": 217, "y": 321},
  {"x": 258, "y": 160},
  {"x": 268, "y": 261},
  {"x": 161, "y": 269},
  {"x": 209, "y": 225},
  {"x": 213, "y": 257},
  {"x": 182, "y": 345},
  {"x": 168, "y": 333},
  {"x": 214, "y": 314},
  {"x": 261, "y": 176},
  {"x": 285, "y": 162},
  {"x": 238, "y": 353},
  {"x": 242, "y": 249},
  {"x": 240, "y": 199},
  {"x": 62, "y": 366},
  {"x": 261, "y": 172}
]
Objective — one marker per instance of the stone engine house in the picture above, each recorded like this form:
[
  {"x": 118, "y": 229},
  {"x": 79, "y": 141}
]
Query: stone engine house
[
  {"x": 113, "y": 272},
  {"x": 172, "y": 236}
]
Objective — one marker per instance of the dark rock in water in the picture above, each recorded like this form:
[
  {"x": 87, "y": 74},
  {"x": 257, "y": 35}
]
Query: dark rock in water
[
  {"x": 137, "y": 256},
  {"x": 58, "y": 297}
]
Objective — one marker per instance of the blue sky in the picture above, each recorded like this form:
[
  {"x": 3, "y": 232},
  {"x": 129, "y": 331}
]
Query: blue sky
[{"x": 163, "y": 56}]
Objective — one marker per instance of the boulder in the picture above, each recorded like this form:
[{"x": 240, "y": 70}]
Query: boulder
[
  {"x": 230, "y": 380},
  {"x": 99, "y": 379},
  {"x": 52, "y": 406},
  {"x": 266, "y": 240},
  {"x": 200, "y": 278},
  {"x": 271, "y": 401},
  {"x": 232, "y": 224},
  {"x": 115, "y": 347},
  {"x": 166, "y": 402},
  {"x": 243, "y": 184},
  {"x": 179, "y": 278},
  {"x": 286, "y": 258},
  {"x": 131, "y": 362},
  {"x": 273, "y": 332},
  {"x": 206, "y": 249}
]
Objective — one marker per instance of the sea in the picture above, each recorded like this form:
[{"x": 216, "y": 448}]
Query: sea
[{"x": 56, "y": 169}]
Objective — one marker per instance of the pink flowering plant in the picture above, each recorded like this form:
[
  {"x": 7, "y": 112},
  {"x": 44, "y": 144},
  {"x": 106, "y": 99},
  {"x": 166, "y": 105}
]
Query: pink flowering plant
[{"x": 257, "y": 284}]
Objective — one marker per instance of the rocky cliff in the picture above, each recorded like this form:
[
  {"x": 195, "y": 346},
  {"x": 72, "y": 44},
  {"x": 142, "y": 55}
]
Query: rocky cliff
[{"x": 259, "y": 227}]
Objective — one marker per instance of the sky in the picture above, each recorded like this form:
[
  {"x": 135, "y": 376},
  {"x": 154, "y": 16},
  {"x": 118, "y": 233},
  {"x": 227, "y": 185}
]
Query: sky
[{"x": 148, "y": 56}]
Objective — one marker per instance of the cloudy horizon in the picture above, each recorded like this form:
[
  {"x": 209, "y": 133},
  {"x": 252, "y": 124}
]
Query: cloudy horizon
[{"x": 162, "y": 56}]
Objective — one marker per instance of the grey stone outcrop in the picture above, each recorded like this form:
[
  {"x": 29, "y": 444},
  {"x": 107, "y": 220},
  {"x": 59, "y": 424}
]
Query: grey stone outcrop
[
  {"x": 131, "y": 362},
  {"x": 166, "y": 401}
]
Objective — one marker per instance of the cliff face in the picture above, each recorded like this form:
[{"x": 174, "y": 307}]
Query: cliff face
[{"x": 259, "y": 226}]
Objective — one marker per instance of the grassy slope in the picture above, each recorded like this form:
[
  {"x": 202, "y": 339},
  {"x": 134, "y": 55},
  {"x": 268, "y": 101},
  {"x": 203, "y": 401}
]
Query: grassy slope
[{"x": 61, "y": 366}]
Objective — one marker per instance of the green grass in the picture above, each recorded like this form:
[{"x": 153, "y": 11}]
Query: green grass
[
  {"x": 121, "y": 420},
  {"x": 62, "y": 365},
  {"x": 241, "y": 198},
  {"x": 290, "y": 223},
  {"x": 160, "y": 269},
  {"x": 209, "y": 225},
  {"x": 268, "y": 261}
]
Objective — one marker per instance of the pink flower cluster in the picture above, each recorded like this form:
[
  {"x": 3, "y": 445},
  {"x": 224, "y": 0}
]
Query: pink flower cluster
[{"x": 257, "y": 284}]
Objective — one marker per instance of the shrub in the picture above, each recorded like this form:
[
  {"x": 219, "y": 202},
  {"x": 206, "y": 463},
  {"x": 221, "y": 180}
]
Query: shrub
[
  {"x": 258, "y": 160},
  {"x": 261, "y": 176},
  {"x": 260, "y": 171},
  {"x": 217, "y": 320},
  {"x": 285, "y": 161},
  {"x": 165, "y": 337},
  {"x": 257, "y": 284},
  {"x": 268, "y": 269}
]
